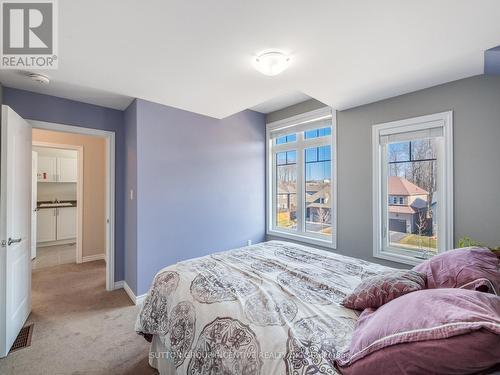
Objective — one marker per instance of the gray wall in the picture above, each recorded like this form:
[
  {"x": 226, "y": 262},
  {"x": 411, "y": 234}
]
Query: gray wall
[
  {"x": 297, "y": 109},
  {"x": 475, "y": 103},
  {"x": 200, "y": 185}
]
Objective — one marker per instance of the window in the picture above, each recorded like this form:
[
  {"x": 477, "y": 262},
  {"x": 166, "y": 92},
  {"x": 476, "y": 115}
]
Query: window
[
  {"x": 413, "y": 164},
  {"x": 301, "y": 184}
]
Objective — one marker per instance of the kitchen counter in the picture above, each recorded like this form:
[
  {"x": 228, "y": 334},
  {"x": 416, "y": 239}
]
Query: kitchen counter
[{"x": 54, "y": 205}]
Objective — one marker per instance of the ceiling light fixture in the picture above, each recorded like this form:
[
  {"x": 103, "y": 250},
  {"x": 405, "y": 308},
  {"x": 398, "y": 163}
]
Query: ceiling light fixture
[
  {"x": 272, "y": 63},
  {"x": 40, "y": 78}
]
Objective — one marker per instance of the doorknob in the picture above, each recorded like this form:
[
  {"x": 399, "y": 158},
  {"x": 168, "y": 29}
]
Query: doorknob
[{"x": 15, "y": 240}]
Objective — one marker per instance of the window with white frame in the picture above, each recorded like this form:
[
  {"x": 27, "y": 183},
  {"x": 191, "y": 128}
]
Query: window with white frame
[
  {"x": 301, "y": 183},
  {"x": 413, "y": 188}
]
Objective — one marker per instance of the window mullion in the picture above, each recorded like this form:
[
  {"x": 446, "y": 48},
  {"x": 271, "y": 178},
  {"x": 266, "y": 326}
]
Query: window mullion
[
  {"x": 274, "y": 189},
  {"x": 440, "y": 165},
  {"x": 384, "y": 198},
  {"x": 300, "y": 184}
]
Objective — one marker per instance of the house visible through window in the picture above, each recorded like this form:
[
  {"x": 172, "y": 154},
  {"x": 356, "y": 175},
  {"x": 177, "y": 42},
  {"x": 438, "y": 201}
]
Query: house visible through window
[
  {"x": 300, "y": 183},
  {"x": 413, "y": 178}
]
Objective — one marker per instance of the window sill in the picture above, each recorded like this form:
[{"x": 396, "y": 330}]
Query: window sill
[
  {"x": 397, "y": 257},
  {"x": 331, "y": 243}
]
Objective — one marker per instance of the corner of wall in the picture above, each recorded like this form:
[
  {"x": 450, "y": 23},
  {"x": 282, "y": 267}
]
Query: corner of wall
[
  {"x": 130, "y": 204},
  {"x": 293, "y": 110},
  {"x": 1, "y": 100}
]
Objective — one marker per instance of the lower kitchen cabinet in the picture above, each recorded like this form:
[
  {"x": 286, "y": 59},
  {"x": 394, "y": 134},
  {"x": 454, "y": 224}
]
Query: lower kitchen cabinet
[
  {"x": 66, "y": 223},
  {"x": 56, "y": 224},
  {"x": 46, "y": 224}
]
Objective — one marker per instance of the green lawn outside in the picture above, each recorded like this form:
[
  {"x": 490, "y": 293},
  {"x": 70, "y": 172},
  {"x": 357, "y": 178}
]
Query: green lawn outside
[{"x": 419, "y": 241}]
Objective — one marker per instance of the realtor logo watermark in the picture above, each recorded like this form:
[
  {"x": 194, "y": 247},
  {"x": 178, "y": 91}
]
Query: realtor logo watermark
[{"x": 29, "y": 34}]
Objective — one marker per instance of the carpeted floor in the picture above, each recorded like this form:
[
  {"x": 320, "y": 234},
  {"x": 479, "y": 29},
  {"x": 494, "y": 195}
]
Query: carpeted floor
[{"x": 79, "y": 327}]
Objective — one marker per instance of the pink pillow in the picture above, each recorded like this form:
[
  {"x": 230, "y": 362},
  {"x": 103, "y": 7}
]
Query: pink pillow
[
  {"x": 475, "y": 268},
  {"x": 431, "y": 331},
  {"x": 377, "y": 290}
]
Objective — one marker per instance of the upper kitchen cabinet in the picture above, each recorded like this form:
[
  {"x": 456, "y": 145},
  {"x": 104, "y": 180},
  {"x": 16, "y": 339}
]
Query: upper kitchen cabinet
[
  {"x": 57, "y": 169},
  {"x": 66, "y": 170},
  {"x": 47, "y": 169}
]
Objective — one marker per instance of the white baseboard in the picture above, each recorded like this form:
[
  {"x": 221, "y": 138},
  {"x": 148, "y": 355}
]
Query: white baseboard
[
  {"x": 137, "y": 300},
  {"x": 91, "y": 258},
  {"x": 119, "y": 284}
]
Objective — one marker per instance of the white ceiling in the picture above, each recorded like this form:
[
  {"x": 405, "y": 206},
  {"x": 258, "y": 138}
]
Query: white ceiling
[
  {"x": 196, "y": 55},
  {"x": 281, "y": 101}
]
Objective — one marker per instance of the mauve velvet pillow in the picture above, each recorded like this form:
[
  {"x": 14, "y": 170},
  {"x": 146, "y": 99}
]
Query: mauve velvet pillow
[
  {"x": 431, "y": 331},
  {"x": 475, "y": 268},
  {"x": 377, "y": 290}
]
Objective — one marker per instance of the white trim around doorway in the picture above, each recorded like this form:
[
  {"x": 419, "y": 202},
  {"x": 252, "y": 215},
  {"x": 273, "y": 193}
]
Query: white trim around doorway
[{"x": 110, "y": 186}]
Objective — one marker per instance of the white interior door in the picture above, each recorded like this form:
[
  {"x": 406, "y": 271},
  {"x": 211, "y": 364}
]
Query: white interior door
[
  {"x": 15, "y": 227},
  {"x": 34, "y": 192}
]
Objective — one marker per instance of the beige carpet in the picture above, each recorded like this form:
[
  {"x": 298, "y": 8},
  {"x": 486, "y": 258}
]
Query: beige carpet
[{"x": 79, "y": 327}]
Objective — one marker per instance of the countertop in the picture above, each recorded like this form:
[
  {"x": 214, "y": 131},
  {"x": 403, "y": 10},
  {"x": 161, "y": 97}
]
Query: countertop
[{"x": 73, "y": 204}]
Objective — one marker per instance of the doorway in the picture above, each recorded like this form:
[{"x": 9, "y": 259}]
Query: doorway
[
  {"x": 15, "y": 216},
  {"x": 57, "y": 203},
  {"x": 108, "y": 193}
]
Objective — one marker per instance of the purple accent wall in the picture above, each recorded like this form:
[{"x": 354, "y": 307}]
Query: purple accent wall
[
  {"x": 63, "y": 111},
  {"x": 200, "y": 185},
  {"x": 492, "y": 61},
  {"x": 198, "y": 182}
]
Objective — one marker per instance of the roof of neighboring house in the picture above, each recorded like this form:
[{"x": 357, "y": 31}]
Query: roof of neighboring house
[
  {"x": 401, "y": 186},
  {"x": 401, "y": 209},
  {"x": 317, "y": 190},
  {"x": 318, "y": 205},
  {"x": 317, "y": 185},
  {"x": 419, "y": 204},
  {"x": 286, "y": 188}
]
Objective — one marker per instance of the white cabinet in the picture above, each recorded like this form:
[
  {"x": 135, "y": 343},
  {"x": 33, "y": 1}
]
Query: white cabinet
[
  {"x": 56, "y": 169},
  {"x": 66, "y": 223},
  {"x": 56, "y": 224},
  {"x": 66, "y": 170},
  {"x": 47, "y": 169},
  {"x": 46, "y": 225}
]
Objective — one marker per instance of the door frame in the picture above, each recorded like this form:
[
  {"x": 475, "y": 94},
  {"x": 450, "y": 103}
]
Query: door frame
[
  {"x": 79, "y": 190},
  {"x": 110, "y": 185}
]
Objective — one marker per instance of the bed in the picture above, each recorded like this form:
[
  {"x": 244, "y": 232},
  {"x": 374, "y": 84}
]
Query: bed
[{"x": 270, "y": 308}]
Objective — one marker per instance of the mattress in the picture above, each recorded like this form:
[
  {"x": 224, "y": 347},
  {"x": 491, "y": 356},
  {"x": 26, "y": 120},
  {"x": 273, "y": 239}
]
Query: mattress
[{"x": 270, "y": 308}]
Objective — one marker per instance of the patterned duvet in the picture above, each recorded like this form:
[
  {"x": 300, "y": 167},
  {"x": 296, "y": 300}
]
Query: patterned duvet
[{"x": 271, "y": 308}]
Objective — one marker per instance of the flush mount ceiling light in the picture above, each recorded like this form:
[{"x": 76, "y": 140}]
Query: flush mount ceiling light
[
  {"x": 272, "y": 63},
  {"x": 39, "y": 78}
]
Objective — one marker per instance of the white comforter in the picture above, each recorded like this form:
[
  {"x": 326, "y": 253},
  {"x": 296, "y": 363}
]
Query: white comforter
[{"x": 271, "y": 308}]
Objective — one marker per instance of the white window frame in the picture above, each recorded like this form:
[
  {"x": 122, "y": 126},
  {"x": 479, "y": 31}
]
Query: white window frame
[
  {"x": 381, "y": 249},
  {"x": 298, "y": 124}
]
